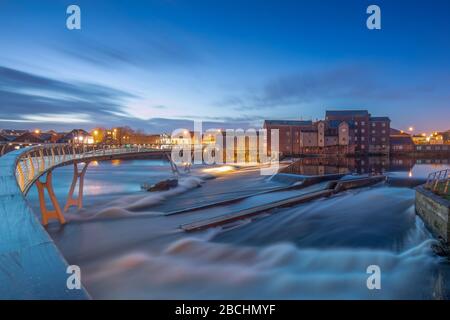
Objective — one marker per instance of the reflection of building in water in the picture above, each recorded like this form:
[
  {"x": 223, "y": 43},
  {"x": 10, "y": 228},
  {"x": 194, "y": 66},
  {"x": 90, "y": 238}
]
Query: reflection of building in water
[{"x": 371, "y": 165}]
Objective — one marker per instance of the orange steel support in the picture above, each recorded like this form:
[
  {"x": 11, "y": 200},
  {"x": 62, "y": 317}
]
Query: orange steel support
[
  {"x": 77, "y": 177},
  {"x": 49, "y": 214}
]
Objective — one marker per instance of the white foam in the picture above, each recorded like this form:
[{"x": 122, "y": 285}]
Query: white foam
[{"x": 194, "y": 269}]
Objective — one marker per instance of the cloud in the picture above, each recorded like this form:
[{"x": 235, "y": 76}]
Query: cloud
[
  {"x": 347, "y": 84},
  {"x": 28, "y": 97},
  {"x": 144, "y": 51}
]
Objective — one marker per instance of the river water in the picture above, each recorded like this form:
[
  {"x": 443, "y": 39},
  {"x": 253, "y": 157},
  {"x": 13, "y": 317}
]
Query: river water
[{"x": 127, "y": 248}]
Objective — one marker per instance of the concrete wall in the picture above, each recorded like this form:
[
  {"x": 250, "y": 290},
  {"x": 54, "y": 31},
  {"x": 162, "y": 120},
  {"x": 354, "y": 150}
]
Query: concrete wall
[{"x": 434, "y": 211}]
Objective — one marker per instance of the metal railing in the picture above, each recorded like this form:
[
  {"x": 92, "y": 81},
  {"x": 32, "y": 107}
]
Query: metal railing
[
  {"x": 439, "y": 182},
  {"x": 32, "y": 163}
]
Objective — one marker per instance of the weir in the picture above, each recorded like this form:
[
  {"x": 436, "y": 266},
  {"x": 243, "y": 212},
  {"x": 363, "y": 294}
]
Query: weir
[{"x": 332, "y": 187}]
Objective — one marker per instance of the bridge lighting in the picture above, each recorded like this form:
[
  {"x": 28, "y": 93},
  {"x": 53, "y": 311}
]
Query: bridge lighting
[
  {"x": 37, "y": 131},
  {"x": 411, "y": 129}
]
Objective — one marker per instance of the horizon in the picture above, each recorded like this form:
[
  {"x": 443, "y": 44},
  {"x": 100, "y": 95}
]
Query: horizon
[{"x": 226, "y": 66}]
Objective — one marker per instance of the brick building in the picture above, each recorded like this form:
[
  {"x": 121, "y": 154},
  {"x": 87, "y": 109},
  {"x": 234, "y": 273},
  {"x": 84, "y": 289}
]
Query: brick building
[{"x": 342, "y": 132}]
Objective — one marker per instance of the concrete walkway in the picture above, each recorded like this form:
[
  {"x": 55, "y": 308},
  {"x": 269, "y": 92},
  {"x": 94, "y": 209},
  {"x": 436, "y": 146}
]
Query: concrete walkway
[{"x": 31, "y": 267}]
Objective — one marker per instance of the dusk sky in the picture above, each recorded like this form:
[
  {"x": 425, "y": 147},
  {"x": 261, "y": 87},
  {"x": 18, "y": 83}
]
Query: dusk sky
[{"x": 158, "y": 65}]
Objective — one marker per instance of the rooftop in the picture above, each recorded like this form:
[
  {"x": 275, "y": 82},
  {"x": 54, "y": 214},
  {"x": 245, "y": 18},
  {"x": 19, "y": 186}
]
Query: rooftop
[
  {"x": 347, "y": 113},
  {"x": 289, "y": 122},
  {"x": 400, "y": 139},
  {"x": 380, "y": 119}
]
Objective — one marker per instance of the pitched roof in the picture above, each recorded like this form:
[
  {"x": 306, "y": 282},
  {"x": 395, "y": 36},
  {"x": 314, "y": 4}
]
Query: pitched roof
[
  {"x": 289, "y": 122},
  {"x": 401, "y": 139},
  {"x": 394, "y": 131},
  {"x": 346, "y": 113},
  {"x": 380, "y": 119}
]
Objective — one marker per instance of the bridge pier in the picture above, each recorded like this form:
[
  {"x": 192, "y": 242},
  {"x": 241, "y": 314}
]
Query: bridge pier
[
  {"x": 49, "y": 214},
  {"x": 77, "y": 177}
]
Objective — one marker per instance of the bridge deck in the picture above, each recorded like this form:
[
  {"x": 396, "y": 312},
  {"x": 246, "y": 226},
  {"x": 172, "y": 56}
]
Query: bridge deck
[{"x": 31, "y": 266}]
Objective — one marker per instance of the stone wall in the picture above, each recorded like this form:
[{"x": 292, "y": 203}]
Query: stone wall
[{"x": 434, "y": 211}]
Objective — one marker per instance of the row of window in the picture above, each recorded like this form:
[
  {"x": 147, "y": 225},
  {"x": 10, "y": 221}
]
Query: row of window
[
  {"x": 373, "y": 131},
  {"x": 363, "y": 123}
]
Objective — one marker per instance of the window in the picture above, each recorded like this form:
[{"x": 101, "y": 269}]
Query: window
[
  {"x": 362, "y": 130},
  {"x": 373, "y": 131},
  {"x": 373, "y": 139},
  {"x": 356, "y": 138},
  {"x": 373, "y": 124},
  {"x": 383, "y": 139},
  {"x": 356, "y": 123},
  {"x": 363, "y": 123},
  {"x": 356, "y": 130},
  {"x": 383, "y": 131},
  {"x": 362, "y": 138},
  {"x": 383, "y": 124}
]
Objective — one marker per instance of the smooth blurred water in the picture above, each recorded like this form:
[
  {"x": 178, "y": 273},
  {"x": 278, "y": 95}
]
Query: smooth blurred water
[{"x": 127, "y": 248}]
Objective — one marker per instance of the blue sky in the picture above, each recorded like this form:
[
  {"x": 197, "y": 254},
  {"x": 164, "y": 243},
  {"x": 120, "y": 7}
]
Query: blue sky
[{"x": 158, "y": 65}]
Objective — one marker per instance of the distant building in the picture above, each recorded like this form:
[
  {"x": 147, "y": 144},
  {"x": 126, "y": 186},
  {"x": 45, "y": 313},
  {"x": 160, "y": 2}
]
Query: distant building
[
  {"x": 343, "y": 132},
  {"x": 33, "y": 137},
  {"x": 401, "y": 143},
  {"x": 74, "y": 136},
  {"x": 289, "y": 134},
  {"x": 12, "y": 134}
]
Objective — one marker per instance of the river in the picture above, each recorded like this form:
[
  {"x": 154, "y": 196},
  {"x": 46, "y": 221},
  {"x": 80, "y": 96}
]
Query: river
[{"x": 128, "y": 249}]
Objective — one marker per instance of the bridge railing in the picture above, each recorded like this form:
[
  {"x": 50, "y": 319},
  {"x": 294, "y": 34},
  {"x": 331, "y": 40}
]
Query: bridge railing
[
  {"x": 439, "y": 182},
  {"x": 38, "y": 159}
]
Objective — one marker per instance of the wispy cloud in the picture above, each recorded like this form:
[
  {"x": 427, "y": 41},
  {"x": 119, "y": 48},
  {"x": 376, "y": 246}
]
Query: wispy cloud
[
  {"x": 357, "y": 83},
  {"x": 142, "y": 51},
  {"x": 32, "y": 98}
]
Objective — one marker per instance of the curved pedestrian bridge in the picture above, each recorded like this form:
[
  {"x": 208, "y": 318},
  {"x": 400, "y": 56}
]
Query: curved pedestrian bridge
[{"x": 31, "y": 267}]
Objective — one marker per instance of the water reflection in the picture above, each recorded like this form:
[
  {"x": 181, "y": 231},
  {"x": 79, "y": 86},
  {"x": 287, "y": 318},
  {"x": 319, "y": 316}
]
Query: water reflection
[{"x": 407, "y": 166}]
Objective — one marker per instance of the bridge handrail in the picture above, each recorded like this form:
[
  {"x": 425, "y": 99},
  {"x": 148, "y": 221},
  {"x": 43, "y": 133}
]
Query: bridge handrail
[
  {"x": 36, "y": 160},
  {"x": 439, "y": 182}
]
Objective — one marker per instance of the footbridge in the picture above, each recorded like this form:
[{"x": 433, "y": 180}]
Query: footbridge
[{"x": 31, "y": 267}]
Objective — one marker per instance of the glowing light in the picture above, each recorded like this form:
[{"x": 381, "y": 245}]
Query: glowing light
[
  {"x": 221, "y": 169},
  {"x": 95, "y": 132},
  {"x": 411, "y": 128},
  {"x": 37, "y": 131},
  {"x": 410, "y": 174}
]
